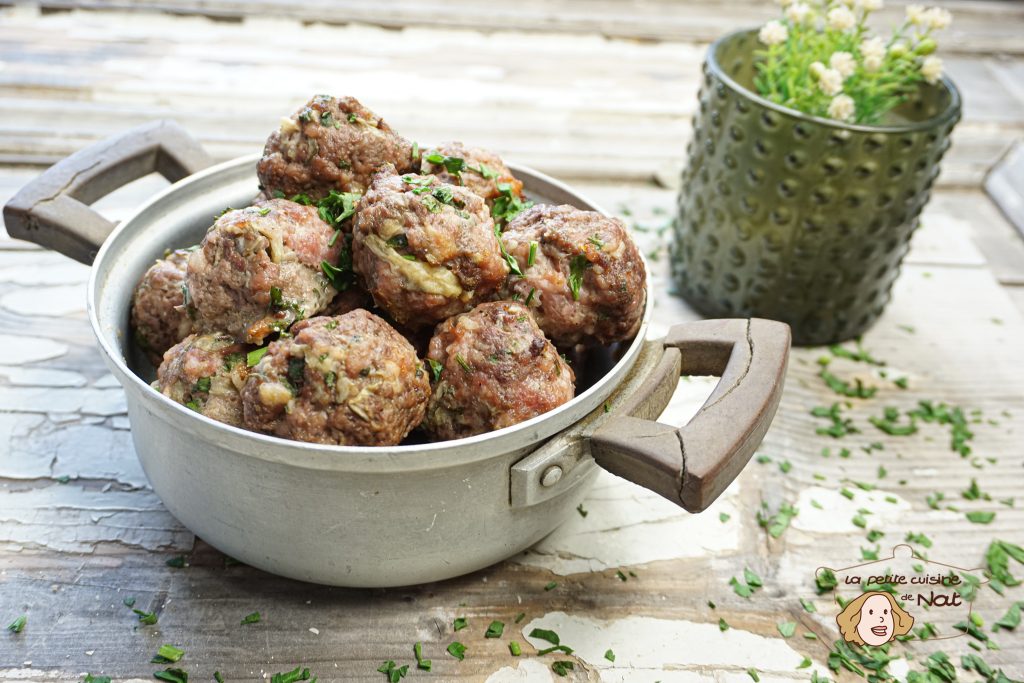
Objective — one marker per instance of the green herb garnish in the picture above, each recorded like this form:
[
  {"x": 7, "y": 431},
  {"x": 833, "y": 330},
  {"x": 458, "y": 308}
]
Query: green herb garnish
[
  {"x": 579, "y": 509},
  {"x": 520, "y": 617},
  {"x": 394, "y": 673},
  {"x": 545, "y": 634},
  {"x": 18, "y": 625},
  {"x": 495, "y": 629},
  {"x": 609, "y": 655},
  {"x": 148, "y": 618},
  {"x": 172, "y": 675},
  {"x": 562, "y": 667},
  {"x": 254, "y": 356},
  {"x": 453, "y": 165},
  {"x": 514, "y": 648},
  {"x": 168, "y": 654},
  {"x": 460, "y": 623},
  {"x": 577, "y": 267},
  {"x": 463, "y": 363},
  {"x": 551, "y": 585},
  {"x": 980, "y": 517},
  {"x": 178, "y": 561},
  {"x": 507, "y": 205},
  {"x": 457, "y": 650},
  {"x": 421, "y": 663},
  {"x": 786, "y": 628},
  {"x": 532, "y": 258},
  {"x": 253, "y": 618}
]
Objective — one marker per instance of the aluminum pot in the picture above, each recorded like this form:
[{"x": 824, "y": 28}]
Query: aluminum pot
[{"x": 375, "y": 517}]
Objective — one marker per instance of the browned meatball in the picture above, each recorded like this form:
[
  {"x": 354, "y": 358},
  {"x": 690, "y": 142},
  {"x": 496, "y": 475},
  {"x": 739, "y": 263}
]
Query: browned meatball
[
  {"x": 585, "y": 283},
  {"x": 480, "y": 170},
  {"x": 158, "y": 318},
  {"x": 493, "y": 368},
  {"x": 330, "y": 144},
  {"x": 206, "y": 372},
  {"x": 425, "y": 250},
  {"x": 347, "y": 380},
  {"x": 259, "y": 269}
]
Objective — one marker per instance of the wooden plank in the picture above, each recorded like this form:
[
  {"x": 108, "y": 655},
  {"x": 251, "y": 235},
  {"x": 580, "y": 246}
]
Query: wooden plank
[{"x": 981, "y": 28}]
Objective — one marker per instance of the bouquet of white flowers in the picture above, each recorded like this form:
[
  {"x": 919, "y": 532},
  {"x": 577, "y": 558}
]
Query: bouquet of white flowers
[{"x": 821, "y": 59}]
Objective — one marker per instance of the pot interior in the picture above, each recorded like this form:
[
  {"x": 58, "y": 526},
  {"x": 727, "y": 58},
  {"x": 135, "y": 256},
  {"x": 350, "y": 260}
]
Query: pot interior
[{"x": 180, "y": 216}]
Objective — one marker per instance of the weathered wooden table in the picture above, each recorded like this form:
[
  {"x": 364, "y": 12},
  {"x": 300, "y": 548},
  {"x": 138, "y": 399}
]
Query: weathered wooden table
[{"x": 599, "y": 94}]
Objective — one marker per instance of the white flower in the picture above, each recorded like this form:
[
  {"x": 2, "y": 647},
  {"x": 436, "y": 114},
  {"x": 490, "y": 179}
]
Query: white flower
[
  {"x": 830, "y": 81},
  {"x": 872, "y": 64},
  {"x": 937, "y": 18},
  {"x": 871, "y": 5},
  {"x": 816, "y": 68},
  {"x": 841, "y": 108},
  {"x": 931, "y": 69},
  {"x": 798, "y": 13},
  {"x": 916, "y": 14},
  {"x": 898, "y": 50},
  {"x": 844, "y": 63},
  {"x": 841, "y": 19},
  {"x": 773, "y": 33},
  {"x": 872, "y": 47}
]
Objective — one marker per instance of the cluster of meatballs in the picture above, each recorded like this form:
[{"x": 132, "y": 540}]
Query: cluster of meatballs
[{"x": 373, "y": 289}]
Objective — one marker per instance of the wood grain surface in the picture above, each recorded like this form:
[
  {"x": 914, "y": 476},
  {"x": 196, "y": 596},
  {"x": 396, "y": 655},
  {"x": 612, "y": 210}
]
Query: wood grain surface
[{"x": 599, "y": 94}]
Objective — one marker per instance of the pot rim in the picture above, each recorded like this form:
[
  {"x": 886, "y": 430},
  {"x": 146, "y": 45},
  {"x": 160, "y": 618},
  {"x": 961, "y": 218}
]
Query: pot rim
[
  {"x": 310, "y": 455},
  {"x": 712, "y": 63}
]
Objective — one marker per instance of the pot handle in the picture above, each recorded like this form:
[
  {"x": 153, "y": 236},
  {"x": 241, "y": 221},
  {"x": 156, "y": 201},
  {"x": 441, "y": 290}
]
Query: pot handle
[
  {"x": 53, "y": 210},
  {"x": 692, "y": 465}
]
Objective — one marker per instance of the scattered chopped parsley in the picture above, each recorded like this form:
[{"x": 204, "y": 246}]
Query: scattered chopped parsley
[
  {"x": 920, "y": 539},
  {"x": 562, "y": 667},
  {"x": 825, "y": 580},
  {"x": 889, "y": 423},
  {"x": 532, "y": 258},
  {"x": 723, "y": 626},
  {"x": 776, "y": 524},
  {"x": 551, "y": 585},
  {"x": 148, "y": 618},
  {"x": 520, "y": 617},
  {"x": 514, "y": 648},
  {"x": 840, "y": 426},
  {"x": 394, "y": 673},
  {"x": 459, "y": 623},
  {"x": 233, "y": 359},
  {"x": 18, "y": 625},
  {"x": 254, "y": 356},
  {"x": 302, "y": 198},
  {"x": 251, "y": 618},
  {"x": 435, "y": 368},
  {"x": 463, "y": 363},
  {"x": 178, "y": 561},
  {"x": 1011, "y": 619},
  {"x": 786, "y": 628},
  {"x": 453, "y": 165},
  {"x": 579, "y": 509},
  {"x": 495, "y": 629},
  {"x": 89, "y": 678},
  {"x": 327, "y": 120},
  {"x": 860, "y": 354},
  {"x": 609, "y": 655},
  {"x": 808, "y": 605},
  {"x": 507, "y": 205},
  {"x": 723, "y": 517},
  {"x": 129, "y": 602},
  {"x": 168, "y": 654},
  {"x": 844, "y": 388},
  {"x": 338, "y": 207},
  {"x": 980, "y": 517},
  {"x": 546, "y": 635},
  {"x": 805, "y": 663},
  {"x": 457, "y": 650},
  {"x": 752, "y": 672},
  {"x": 421, "y": 663},
  {"x": 529, "y": 297},
  {"x": 172, "y": 675},
  {"x": 292, "y": 676},
  {"x": 513, "y": 264},
  {"x": 577, "y": 267}
]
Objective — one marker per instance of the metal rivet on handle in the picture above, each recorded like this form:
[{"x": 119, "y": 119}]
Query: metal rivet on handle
[{"x": 551, "y": 476}]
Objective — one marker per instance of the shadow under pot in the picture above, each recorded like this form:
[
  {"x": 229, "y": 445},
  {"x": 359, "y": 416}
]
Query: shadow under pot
[{"x": 796, "y": 218}]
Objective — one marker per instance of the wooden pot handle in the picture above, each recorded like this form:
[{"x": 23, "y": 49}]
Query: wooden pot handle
[
  {"x": 53, "y": 210},
  {"x": 692, "y": 465}
]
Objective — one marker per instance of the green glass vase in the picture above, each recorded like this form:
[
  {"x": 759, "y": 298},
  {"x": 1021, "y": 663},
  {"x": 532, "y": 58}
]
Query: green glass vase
[{"x": 797, "y": 218}]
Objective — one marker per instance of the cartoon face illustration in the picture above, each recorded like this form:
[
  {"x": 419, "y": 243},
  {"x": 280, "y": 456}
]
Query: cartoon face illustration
[{"x": 873, "y": 619}]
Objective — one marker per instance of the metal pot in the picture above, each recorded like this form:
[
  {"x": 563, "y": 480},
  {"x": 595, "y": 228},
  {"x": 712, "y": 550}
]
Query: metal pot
[{"x": 352, "y": 516}]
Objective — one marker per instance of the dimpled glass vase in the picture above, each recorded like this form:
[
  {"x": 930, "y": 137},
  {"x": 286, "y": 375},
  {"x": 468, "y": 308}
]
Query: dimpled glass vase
[{"x": 797, "y": 218}]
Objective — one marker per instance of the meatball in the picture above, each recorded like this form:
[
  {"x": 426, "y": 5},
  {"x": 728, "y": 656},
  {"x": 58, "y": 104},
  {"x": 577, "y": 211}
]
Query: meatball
[
  {"x": 492, "y": 368},
  {"x": 479, "y": 170},
  {"x": 355, "y": 296},
  {"x": 158, "y": 317},
  {"x": 259, "y": 269},
  {"x": 330, "y": 144},
  {"x": 425, "y": 250},
  {"x": 206, "y": 372},
  {"x": 347, "y": 380},
  {"x": 583, "y": 276}
]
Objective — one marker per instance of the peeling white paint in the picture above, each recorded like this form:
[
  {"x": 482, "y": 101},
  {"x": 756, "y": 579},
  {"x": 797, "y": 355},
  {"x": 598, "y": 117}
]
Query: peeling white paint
[
  {"x": 531, "y": 670},
  {"x": 837, "y": 511},
  {"x": 46, "y": 301},
  {"x": 646, "y": 645},
  {"x": 629, "y": 525},
  {"x": 22, "y": 349}
]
